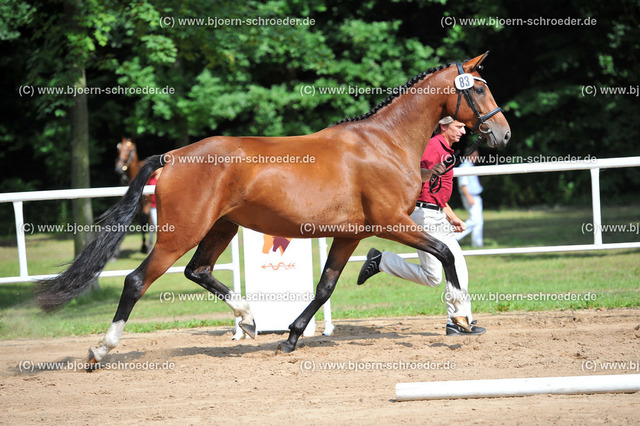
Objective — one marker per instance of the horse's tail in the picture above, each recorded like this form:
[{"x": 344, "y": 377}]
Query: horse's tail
[{"x": 52, "y": 293}]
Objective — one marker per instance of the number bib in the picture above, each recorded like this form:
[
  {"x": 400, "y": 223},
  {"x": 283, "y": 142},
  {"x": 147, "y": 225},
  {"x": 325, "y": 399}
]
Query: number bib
[{"x": 464, "y": 81}]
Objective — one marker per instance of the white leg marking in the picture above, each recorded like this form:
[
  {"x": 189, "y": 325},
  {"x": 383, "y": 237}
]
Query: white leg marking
[
  {"x": 110, "y": 340},
  {"x": 240, "y": 307},
  {"x": 239, "y": 335}
]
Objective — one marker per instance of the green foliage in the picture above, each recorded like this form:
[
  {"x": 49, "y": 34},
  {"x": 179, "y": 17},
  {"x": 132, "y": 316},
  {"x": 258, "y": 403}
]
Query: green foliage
[
  {"x": 13, "y": 15},
  {"x": 245, "y": 79},
  {"x": 548, "y": 110}
]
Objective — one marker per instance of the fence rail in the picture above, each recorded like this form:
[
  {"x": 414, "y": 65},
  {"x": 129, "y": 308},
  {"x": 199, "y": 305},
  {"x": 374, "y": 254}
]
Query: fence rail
[{"x": 18, "y": 198}]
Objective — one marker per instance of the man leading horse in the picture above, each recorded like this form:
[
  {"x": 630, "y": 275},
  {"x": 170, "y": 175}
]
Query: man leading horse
[{"x": 434, "y": 216}]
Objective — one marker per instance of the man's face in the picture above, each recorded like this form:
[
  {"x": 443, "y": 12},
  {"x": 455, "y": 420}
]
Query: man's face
[{"x": 452, "y": 132}]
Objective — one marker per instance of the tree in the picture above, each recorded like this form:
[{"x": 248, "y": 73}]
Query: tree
[
  {"x": 79, "y": 129},
  {"x": 246, "y": 79}
]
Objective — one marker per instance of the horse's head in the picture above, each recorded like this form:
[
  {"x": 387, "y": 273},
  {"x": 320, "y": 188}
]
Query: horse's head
[
  {"x": 126, "y": 154},
  {"x": 473, "y": 104}
]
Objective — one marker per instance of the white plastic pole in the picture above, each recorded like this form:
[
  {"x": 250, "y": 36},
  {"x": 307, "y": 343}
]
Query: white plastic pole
[
  {"x": 595, "y": 201},
  {"x": 507, "y": 169},
  {"x": 517, "y": 387},
  {"x": 22, "y": 246},
  {"x": 237, "y": 283},
  {"x": 328, "y": 324},
  {"x": 69, "y": 194}
]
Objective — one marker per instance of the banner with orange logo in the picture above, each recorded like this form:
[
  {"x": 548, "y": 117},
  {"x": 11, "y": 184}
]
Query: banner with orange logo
[{"x": 278, "y": 279}]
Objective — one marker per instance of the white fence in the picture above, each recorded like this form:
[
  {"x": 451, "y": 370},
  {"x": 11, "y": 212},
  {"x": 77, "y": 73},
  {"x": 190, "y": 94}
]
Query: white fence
[
  {"x": 508, "y": 169},
  {"x": 17, "y": 198}
]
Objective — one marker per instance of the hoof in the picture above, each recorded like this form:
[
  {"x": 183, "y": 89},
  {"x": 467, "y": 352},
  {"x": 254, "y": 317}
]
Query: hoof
[
  {"x": 92, "y": 363},
  {"x": 250, "y": 329},
  {"x": 463, "y": 323},
  {"x": 285, "y": 347},
  {"x": 144, "y": 250}
]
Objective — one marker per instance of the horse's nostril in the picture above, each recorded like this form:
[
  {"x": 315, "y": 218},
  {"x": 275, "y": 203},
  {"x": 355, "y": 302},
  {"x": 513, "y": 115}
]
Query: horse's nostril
[{"x": 507, "y": 136}]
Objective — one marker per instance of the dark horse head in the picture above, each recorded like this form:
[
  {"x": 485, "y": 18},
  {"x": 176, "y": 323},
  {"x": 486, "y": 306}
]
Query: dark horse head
[{"x": 126, "y": 157}]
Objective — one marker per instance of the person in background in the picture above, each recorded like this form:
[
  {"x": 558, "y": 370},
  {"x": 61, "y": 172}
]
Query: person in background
[{"x": 470, "y": 190}]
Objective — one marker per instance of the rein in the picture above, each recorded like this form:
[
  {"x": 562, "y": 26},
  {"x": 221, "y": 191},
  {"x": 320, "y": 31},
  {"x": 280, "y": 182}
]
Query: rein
[{"x": 435, "y": 182}]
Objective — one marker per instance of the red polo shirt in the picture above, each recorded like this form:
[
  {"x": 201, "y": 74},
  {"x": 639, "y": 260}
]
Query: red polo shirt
[
  {"x": 152, "y": 181},
  {"x": 438, "y": 150}
]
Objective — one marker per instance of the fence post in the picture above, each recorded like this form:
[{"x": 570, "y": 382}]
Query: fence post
[
  {"x": 237, "y": 283},
  {"x": 595, "y": 199},
  {"x": 22, "y": 246},
  {"x": 328, "y": 323}
]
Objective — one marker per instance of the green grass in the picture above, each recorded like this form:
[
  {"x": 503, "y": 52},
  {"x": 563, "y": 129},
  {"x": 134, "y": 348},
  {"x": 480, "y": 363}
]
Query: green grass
[{"x": 609, "y": 277}]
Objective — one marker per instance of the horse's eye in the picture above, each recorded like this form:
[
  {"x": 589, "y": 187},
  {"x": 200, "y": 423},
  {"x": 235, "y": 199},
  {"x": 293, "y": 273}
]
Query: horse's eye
[{"x": 480, "y": 90}]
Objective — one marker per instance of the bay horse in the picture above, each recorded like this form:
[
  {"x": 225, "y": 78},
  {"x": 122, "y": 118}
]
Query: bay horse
[
  {"x": 127, "y": 167},
  {"x": 127, "y": 164},
  {"x": 365, "y": 176}
]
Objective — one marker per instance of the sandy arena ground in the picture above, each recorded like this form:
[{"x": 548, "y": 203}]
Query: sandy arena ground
[{"x": 202, "y": 376}]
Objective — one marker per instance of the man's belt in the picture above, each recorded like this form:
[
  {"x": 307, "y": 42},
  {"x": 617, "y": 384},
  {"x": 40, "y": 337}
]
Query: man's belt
[{"x": 429, "y": 206}]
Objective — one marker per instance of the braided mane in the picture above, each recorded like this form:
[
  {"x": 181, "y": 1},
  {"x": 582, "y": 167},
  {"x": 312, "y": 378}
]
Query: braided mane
[{"x": 399, "y": 91}]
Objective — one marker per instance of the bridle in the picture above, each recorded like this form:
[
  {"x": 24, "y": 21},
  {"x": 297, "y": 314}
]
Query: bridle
[
  {"x": 464, "y": 82},
  {"x": 126, "y": 165},
  {"x": 123, "y": 170}
]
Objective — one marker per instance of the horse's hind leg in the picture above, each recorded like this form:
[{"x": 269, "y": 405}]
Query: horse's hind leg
[
  {"x": 201, "y": 266},
  {"x": 341, "y": 250},
  {"x": 135, "y": 284}
]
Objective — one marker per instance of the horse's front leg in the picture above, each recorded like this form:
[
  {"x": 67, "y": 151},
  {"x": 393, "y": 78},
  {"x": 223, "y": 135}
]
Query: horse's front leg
[
  {"x": 341, "y": 250},
  {"x": 406, "y": 231}
]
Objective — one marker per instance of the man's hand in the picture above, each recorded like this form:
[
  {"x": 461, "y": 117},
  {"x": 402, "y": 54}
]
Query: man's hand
[
  {"x": 454, "y": 220},
  {"x": 458, "y": 225},
  {"x": 437, "y": 169}
]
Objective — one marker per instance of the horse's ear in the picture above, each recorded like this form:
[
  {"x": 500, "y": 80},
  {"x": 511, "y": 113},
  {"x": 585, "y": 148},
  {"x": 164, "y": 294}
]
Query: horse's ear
[{"x": 474, "y": 64}]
